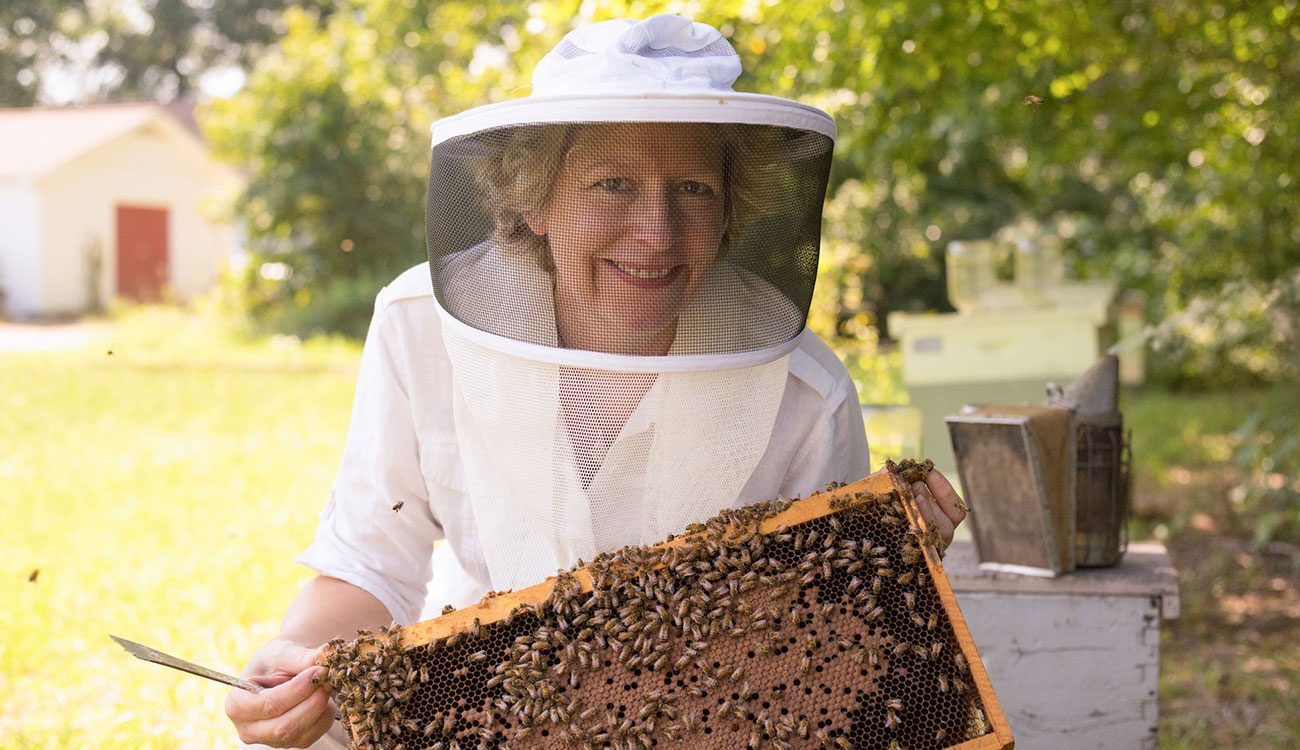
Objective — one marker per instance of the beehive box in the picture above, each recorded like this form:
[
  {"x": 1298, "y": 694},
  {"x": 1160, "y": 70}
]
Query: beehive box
[{"x": 822, "y": 622}]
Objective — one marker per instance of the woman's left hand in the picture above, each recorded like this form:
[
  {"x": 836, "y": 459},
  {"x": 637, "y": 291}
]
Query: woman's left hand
[{"x": 939, "y": 502}]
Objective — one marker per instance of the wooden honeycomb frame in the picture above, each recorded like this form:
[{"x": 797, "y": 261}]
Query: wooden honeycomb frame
[{"x": 805, "y": 670}]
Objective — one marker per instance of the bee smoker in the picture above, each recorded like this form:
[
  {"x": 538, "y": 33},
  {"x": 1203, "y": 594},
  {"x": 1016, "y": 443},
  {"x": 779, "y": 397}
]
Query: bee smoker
[
  {"x": 1102, "y": 460},
  {"x": 1102, "y": 495}
]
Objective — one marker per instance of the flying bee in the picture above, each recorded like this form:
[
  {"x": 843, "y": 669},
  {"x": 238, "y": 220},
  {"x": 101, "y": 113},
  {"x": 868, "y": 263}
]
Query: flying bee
[
  {"x": 1033, "y": 101},
  {"x": 398, "y": 505}
]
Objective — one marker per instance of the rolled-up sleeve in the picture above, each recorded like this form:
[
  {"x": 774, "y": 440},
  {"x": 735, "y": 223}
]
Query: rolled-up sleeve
[
  {"x": 835, "y": 447},
  {"x": 360, "y": 538}
]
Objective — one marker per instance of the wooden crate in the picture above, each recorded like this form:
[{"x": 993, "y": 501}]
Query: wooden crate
[{"x": 1076, "y": 659}]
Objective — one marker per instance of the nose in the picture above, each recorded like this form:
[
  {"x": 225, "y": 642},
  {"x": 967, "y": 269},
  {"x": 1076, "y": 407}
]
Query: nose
[{"x": 655, "y": 220}]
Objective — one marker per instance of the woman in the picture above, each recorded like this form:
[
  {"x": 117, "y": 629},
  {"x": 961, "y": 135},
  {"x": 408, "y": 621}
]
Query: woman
[{"x": 613, "y": 346}]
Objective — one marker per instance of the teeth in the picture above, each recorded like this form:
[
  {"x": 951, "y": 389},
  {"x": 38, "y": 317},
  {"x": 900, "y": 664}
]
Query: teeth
[{"x": 643, "y": 273}]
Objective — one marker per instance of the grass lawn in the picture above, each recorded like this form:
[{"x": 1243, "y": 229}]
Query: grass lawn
[{"x": 160, "y": 492}]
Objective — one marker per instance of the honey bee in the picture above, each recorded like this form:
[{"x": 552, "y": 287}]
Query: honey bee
[
  {"x": 1033, "y": 101},
  {"x": 398, "y": 505}
]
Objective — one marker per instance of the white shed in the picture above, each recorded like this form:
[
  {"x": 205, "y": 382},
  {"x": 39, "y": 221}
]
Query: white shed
[{"x": 106, "y": 202}]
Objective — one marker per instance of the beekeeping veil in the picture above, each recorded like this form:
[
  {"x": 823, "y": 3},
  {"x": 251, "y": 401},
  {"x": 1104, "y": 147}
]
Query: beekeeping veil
[{"x": 623, "y": 262}]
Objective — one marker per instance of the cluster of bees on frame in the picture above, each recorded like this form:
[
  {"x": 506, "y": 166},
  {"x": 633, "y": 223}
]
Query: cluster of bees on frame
[{"x": 823, "y": 634}]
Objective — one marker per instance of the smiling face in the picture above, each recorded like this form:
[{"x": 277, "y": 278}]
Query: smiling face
[{"x": 634, "y": 222}]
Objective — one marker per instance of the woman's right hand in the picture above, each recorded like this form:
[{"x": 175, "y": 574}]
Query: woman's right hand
[{"x": 292, "y": 711}]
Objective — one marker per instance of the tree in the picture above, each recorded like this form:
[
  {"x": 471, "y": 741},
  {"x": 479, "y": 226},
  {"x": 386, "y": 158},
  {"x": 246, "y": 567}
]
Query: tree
[
  {"x": 1162, "y": 151},
  {"x": 31, "y": 34},
  {"x": 156, "y": 50}
]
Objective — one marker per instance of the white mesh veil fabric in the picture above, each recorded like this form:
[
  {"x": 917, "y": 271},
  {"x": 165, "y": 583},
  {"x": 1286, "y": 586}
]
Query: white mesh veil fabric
[
  {"x": 623, "y": 265},
  {"x": 575, "y": 461}
]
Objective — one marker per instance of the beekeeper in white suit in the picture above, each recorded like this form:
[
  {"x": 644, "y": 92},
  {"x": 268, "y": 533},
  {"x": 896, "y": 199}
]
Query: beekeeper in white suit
[{"x": 607, "y": 344}]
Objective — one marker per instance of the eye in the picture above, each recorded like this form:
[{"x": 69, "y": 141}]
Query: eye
[
  {"x": 694, "y": 187},
  {"x": 611, "y": 183}
]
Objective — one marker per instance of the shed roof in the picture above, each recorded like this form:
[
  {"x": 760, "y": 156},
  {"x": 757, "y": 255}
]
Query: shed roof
[{"x": 36, "y": 141}]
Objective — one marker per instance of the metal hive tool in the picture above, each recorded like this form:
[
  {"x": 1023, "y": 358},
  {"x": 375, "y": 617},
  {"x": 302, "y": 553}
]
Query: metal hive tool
[{"x": 822, "y": 622}]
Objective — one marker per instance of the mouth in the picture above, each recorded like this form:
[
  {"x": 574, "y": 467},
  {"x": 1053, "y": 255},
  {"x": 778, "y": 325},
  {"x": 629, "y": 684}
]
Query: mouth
[
  {"x": 644, "y": 273},
  {"x": 653, "y": 276}
]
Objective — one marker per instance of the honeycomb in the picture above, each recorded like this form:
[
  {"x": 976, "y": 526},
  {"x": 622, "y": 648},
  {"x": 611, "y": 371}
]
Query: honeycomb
[{"x": 825, "y": 622}]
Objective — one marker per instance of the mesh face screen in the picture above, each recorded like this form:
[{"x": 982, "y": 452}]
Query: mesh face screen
[
  {"x": 824, "y": 622},
  {"x": 629, "y": 238}
]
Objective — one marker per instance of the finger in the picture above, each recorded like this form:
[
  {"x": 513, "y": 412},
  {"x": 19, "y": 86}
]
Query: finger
[
  {"x": 923, "y": 502},
  {"x": 946, "y": 497},
  {"x": 931, "y": 512},
  {"x": 245, "y": 707},
  {"x": 298, "y": 725}
]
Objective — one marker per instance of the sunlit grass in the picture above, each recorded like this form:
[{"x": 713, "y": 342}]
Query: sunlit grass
[
  {"x": 158, "y": 492},
  {"x": 1173, "y": 432}
]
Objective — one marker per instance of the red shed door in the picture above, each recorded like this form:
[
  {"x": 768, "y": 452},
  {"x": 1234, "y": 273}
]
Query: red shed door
[{"x": 141, "y": 252}]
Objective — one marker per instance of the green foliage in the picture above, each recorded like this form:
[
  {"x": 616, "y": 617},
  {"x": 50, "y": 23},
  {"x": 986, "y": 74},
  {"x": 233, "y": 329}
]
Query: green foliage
[
  {"x": 1246, "y": 332},
  {"x": 1162, "y": 152},
  {"x": 115, "y": 50},
  {"x": 31, "y": 33}
]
